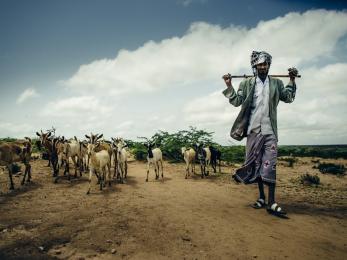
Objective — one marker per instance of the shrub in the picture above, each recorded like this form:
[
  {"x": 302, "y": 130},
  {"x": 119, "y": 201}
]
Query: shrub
[
  {"x": 8, "y": 140},
  {"x": 336, "y": 169},
  {"x": 139, "y": 154},
  {"x": 308, "y": 179},
  {"x": 233, "y": 154},
  {"x": 290, "y": 160}
]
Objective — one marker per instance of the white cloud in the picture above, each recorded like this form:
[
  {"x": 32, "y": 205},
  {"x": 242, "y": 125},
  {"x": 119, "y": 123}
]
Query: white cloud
[
  {"x": 206, "y": 51},
  {"x": 186, "y": 3},
  {"x": 27, "y": 94},
  {"x": 211, "y": 109},
  {"x": 88, "y": 108},
  {"x": 16, "y": 130}
]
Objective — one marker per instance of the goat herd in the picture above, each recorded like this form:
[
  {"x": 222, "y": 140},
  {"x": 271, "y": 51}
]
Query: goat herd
[{"x": 97, "y": 156}]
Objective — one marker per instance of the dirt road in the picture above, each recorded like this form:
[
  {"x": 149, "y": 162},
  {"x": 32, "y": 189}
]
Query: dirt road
[{"x": 172, "y": 218}]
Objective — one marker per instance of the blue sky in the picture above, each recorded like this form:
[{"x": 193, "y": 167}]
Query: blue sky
[{"x": 130, "y": 68}]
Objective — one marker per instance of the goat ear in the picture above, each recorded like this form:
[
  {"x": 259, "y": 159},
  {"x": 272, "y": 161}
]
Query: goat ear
[
  {"x": 87, "y": 136},
  {"x": 37, "y": 133},
  {"x": 49, "y": 134},
  {"x": 113, "y": 139},
  {"x": 75, "y": 138},
  {"x": 101, "y": 135}
]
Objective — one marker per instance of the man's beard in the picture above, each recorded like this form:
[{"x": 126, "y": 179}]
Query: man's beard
[{"x": 262, "y": 74}]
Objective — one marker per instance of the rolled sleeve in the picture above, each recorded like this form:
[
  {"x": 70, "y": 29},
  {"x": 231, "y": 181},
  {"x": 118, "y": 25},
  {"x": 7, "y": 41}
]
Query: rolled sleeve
[{"x": 229, "y": 92}]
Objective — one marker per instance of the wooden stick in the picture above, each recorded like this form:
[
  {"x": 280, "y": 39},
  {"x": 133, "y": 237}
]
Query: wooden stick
[{"x": 248, "y": 76}]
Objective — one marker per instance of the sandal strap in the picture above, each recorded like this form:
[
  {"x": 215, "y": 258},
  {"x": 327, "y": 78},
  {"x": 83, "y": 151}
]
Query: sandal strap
[
  {"x": 258, "y": 204},
  {"x": 261, "y": 201},
  {"x": 276, "y": 208}
]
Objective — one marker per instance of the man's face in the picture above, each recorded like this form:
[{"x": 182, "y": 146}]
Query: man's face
[{"x": 262, "y": 68}]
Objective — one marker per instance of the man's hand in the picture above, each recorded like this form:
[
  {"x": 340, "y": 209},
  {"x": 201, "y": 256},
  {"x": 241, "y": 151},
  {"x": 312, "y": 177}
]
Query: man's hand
[
  {"x": 227, "y": 79},
  {"x": 293, "y": 72}
]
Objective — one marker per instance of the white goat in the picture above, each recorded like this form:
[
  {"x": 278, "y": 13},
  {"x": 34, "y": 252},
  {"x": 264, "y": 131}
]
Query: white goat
[
  {"x": 122, "y": 160},
  {"x": 99, "y": 162},
  {"x": 84, "y": 156},
  {"x": 114, "y": 145},
  {"x": 189, "y": 157},
  {"x": 154, "y": 157},
  {"x": 66, "y": 150}
]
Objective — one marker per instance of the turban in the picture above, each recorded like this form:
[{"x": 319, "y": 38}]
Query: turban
[{"x": 258, "y": 57}]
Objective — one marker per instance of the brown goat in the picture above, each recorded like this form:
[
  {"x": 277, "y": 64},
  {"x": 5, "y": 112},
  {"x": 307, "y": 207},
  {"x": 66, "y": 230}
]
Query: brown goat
[
  {"x": 19, "y": 151},
  {"x": 50, "y": 145}
]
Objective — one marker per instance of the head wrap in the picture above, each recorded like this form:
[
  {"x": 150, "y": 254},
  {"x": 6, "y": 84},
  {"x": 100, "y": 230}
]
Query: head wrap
[{"x": 258, "y": 57}]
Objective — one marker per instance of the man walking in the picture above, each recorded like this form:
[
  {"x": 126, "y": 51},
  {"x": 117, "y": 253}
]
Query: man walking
[{"x": 259, "y": 97}]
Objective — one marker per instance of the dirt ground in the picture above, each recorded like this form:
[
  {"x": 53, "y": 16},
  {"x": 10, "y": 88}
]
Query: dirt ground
[{"x": 172, "y": 218}]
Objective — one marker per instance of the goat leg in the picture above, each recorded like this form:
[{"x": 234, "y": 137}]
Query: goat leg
[
  {"x": 109, "y": 174},
  {"x": 29, "y": 173},
  {"x": 97, "y": 176},
  {"x": 156, "y": 174},
  {"x": 80, "y": 166},
  {"x": 101, "y": 181},
  {"x": 126, "y": 169},
  {"x": 10, "y": 175},
  {"x": 25, "y": 173}
]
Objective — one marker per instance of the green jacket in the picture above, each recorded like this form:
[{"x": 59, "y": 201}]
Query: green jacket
[{"x": 244, "y": 96}]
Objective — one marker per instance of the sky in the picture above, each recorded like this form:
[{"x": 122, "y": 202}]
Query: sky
[{"x": 132, "y": 68}]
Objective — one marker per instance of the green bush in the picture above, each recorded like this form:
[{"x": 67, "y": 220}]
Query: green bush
[
  {"x": 308, "y": 179},
  {"x": 233, "y": 154},
  {"x": 336, "y": 169},
  {"x": 7, "y": 140},
  {"x": 322, "y": 151},
  {"x": 139, "y": 154},
  {"x": 35, "y": 147},
  {"x": 170, "y": 144}
]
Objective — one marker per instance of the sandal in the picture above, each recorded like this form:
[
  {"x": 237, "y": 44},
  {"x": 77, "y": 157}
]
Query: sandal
[
  {"x": 276, "y": 210},
  {"x": 259, "y": 204}
]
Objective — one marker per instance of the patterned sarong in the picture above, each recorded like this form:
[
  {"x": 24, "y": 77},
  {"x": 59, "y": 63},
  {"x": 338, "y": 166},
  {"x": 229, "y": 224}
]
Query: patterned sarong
[{"x": 261, "y": 159}]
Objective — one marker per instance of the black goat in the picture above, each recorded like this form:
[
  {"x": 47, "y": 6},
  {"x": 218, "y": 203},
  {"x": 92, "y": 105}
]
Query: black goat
[{"x": 215, "y": 156}]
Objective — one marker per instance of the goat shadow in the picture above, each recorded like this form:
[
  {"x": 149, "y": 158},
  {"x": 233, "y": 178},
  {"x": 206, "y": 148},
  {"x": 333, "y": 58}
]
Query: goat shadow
[
  {"x": 211, "y": 177},
  {"x": 19, "y": 189},
  {"x": 106, "y": 191},
  {"x": 160, "y": 180},
  {"x": 129, "y": 181},
  {"x": 64, "y": 179}
]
